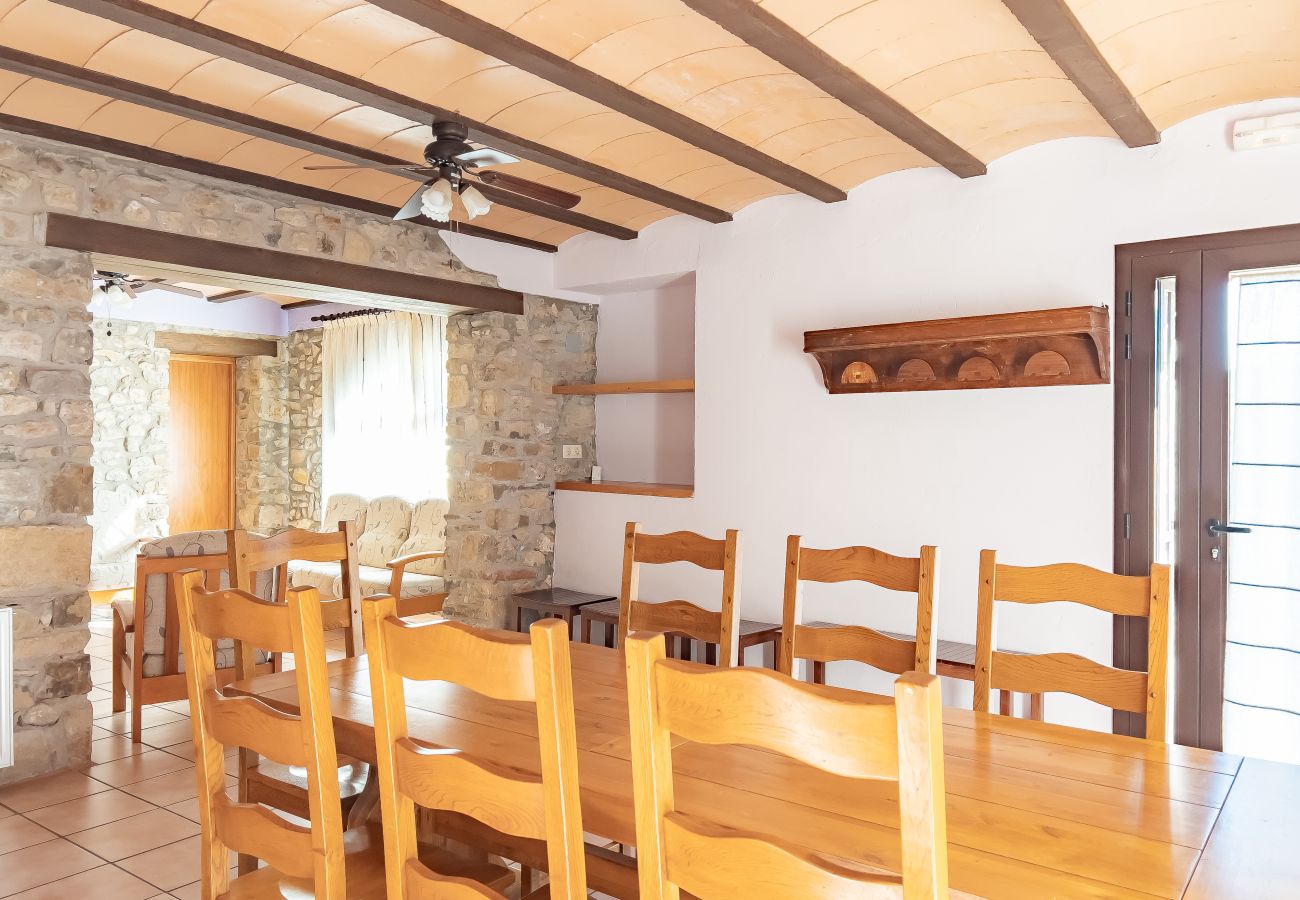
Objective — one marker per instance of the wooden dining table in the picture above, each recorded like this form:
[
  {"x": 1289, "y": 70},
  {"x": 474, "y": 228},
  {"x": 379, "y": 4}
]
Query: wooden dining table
[{"x": 1035, "y": 810}]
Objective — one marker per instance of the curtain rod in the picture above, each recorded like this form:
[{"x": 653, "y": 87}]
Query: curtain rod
[{"x": 349, "y": 314}]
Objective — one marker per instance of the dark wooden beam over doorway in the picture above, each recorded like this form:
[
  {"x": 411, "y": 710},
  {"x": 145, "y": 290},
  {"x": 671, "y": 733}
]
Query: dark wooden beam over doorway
[
  {"x": 498, "y": 43},
  {"x": 771, "y": 36},
  {"x": 162, "y": 23},
  {"x": 294, "y": 270},
  {"x": 1059, "y": 32}
]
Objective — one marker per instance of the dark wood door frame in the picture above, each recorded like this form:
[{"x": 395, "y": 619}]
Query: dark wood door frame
[
  {"x": 297, "y": 273},
  {"x": 1201, "y": 264}
]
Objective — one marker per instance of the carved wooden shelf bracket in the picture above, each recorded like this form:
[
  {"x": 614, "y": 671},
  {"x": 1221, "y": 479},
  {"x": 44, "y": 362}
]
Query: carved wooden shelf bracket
[{"x": 1022, "y": 349}]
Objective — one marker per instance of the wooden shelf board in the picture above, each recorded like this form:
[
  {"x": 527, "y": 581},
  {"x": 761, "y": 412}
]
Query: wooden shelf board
[
  {"x": 639, "y": 488},
  {"x": 670, "y": 386}
]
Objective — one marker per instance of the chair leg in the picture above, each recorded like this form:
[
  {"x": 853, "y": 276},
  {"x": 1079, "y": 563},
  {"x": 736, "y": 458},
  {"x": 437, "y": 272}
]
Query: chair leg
[
  {"x": 1005, "y": 706},
  {"x": 137, "y": 713},
  {"x": 119, "y": 651},
  {"x": 525, "y": 881},
  {"x": 819, "y": 672},
  {"x": 1036, "y": 707}
]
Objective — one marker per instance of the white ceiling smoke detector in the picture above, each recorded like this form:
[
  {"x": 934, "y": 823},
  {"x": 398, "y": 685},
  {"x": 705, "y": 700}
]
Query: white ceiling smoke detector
[{"x": 1266, "y": 131}]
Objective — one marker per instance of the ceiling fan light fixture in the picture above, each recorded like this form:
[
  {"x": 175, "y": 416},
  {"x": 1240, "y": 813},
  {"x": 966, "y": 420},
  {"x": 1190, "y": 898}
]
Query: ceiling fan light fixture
[
  {"x": 474, "y": 201},
  {"x": 436, "y": 201}
]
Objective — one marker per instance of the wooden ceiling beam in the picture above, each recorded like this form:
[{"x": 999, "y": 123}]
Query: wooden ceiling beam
[
  {"x": 170, "y": 26},
  {"x": 296, "y": 271},
  {"x": 775, "y": 39},
  {"x": 185, "y": 107},
  {"x": 231, "y": 295},
  {"x": 460, "y": 26},
  {"x": 1059, "y": 32},
  {"x": 149, "y": 155}
]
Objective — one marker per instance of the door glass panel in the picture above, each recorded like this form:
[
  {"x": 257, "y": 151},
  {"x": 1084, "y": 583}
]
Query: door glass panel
[
  {"x": 1164, "y": 444},
  {"x": 1261, "y": 710}
]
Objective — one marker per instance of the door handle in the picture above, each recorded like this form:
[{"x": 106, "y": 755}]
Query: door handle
[{"x": 1217, "y": 528}]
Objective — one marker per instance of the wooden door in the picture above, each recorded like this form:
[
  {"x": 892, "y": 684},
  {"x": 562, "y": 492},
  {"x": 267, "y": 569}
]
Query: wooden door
[{"x": 201, "y": 488}]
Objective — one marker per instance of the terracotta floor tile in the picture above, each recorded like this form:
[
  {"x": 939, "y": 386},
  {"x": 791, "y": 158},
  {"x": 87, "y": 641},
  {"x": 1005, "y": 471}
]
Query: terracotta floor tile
[
  {"x": 48, "y": 791},
  {"x": 180, "y": 707},
  {"x": 190, "y": 808},
  {"x": 96, "y": 733},
  {"x": 101, "y": 708},
  {"x": 115, "y": 746},
  {"x": 17, "y": 833},
  {"x": 135, "y": 835},
  {"x": 5, "y": 812},
  {"x": 171, "y": 733},
  {"x": 88, "y": 812},
  {"x": 41, "y": 864},
  {"x": 164, "y": 790},
  {"x": 169, "y": 867},
  {"x": 98, "y": 693},
  {"x": 103, "y": 883},
  {"x": 138, "y": 767},
  {"x": 120, "y": 723}
]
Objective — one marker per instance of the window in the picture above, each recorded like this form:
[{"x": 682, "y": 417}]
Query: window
[{"x": 384, "y": 418}]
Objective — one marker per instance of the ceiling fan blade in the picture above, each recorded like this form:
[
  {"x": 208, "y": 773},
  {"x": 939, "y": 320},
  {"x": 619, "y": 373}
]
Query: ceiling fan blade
[
  {"x": 188, "y": 292},
  {"x": 530, "y": 189},
  {"x": 423, "y": 171},
  {"x": 411, "y": 208},
  {"x": 485, "y": 156}
]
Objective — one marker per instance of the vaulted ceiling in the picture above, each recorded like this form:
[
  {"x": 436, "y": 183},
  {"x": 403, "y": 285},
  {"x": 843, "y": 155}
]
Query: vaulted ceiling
[{"x": 643, "y": 109}]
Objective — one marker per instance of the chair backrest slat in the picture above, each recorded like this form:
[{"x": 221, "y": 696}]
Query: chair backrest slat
[
  {"x": 207, "y": 617},
  {"x": 828, "y": 643},
  {"x": 720, "y": 627},
  {"x": 251, "y": 553},
  {"x": 1145, "y": 596},
  {"x": 835, "y": 730},
  {"x": 502, "y": 665}
]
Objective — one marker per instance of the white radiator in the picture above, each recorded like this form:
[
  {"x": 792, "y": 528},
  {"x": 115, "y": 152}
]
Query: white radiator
[{"x": 6, "y": 688}]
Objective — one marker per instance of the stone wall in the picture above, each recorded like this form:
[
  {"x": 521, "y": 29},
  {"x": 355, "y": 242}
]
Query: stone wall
[
  {"x": 262, "y": 442},
  {"x": 128, "y": 388},
  {"x": 45, "y": 487},
  {"x": 45, "y": 405},
  {"x": 304, "y": 408},
  {"x": 505, "y": 430}
]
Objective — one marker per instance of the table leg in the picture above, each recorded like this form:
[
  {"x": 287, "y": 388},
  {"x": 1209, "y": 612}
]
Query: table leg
[
  {"x": 776, "y": 653},
  {"x": 519, "y": 618},
  {"x": 567, "y": 616},
  {"x": 525, "y": 881},
  {"x": 1004, "y": 703},
  {"x": 685, "y": 648},
  {"x": 609, "y": 634},
  {"x": 711, "y": 654},
  {"x": 819, "y": 672},
  {"x": 586, "y": 629}
]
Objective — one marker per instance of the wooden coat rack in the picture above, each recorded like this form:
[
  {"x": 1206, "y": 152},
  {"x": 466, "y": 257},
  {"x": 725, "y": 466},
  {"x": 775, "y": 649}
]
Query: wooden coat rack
[{"x": 1022, "y": 349}]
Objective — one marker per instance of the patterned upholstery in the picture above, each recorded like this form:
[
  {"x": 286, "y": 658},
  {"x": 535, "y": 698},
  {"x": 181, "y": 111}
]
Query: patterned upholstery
[
  {"x": 428, "y": 532},
  {"x": 341, "y": 507},
  {"x": 376, "y": 581},
  {"x": 190, "y": 543},
  {"x": 388, "y": 522}
]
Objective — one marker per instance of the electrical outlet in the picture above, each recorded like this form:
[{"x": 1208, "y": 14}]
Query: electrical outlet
[{"x": 573, "y": 451}]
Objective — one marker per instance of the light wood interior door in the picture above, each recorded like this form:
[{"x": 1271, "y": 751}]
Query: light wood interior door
[{"x": 201, "y": 490}]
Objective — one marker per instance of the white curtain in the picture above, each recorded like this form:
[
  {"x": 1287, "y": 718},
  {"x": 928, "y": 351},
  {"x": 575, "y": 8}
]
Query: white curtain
[{"x": 383, "y": 421}]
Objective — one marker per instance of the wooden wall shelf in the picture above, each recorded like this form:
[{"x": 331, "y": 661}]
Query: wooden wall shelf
[
  {"x": 1022, "y": 349},
  {"x": 639, "y": 488},
  {"x": 671, "y": 386}
]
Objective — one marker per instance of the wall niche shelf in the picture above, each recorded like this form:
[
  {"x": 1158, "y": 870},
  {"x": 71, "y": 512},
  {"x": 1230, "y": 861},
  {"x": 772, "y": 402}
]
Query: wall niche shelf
[
  {"x": 670, "y": 386},
  {"x": 1021, "y": 349},
  {"x": 638, "y": 488}
]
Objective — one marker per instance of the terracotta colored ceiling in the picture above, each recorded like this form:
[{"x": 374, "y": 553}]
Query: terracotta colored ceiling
[{"x": 966, "y": 68}]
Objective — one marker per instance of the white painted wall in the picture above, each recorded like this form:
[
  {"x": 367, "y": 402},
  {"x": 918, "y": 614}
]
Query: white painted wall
[{"x": 1027, "y": 471}]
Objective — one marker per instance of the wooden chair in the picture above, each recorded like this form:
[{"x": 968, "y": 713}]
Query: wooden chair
[
  {"x": 826, "y": 728},
  {"x": 146, "y": 629},
  {"x": 501, "y": 665},
  {"x": 822, "y": 643},
  {"x": 270, "y": 782},
  {"x": 1121, "y": 595},
  {"x": 681, "y": 617}
]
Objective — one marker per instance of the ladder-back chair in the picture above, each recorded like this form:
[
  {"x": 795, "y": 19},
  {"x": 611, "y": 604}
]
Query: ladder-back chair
[
  {"x": 823, "y": 728},
  {"x": 310, "y": 859},
  {"x": 823, "y": 642},
  {"x": 502, "y": 665},
  {"x": 681, "y": 617},
  {"x": 1146, "y": 596}
]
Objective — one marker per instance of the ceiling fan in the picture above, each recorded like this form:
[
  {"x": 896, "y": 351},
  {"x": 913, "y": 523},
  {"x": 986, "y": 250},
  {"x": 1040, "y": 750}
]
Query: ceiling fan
[
  {"x": 451, "y": 164},
  {"x": 110, "y": 288}
]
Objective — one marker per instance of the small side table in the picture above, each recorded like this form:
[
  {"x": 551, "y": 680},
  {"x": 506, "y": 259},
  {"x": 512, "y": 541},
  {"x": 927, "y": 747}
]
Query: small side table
[
  {"x": 552, "y": 603},
  {"x": 752, "y": 634}
]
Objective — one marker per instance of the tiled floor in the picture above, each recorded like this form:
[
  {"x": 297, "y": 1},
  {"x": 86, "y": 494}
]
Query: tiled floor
[{"x": 124, "y": 829}]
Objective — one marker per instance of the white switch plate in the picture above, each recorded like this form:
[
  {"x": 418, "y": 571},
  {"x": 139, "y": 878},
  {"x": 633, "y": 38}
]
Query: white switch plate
[{"x": 573, "y": 451}]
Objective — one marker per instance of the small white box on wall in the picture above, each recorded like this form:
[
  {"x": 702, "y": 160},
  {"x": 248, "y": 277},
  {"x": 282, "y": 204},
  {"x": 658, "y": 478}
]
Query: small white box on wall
[{"x": 6, "y": 688}]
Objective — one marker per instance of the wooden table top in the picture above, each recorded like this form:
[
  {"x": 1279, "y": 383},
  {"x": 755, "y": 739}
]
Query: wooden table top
[{"x": 1034, "y": 810}]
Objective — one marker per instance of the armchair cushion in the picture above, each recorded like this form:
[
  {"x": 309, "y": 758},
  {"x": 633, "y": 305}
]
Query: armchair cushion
[
  {"x": 428, "y": 532},
  {"x": 340, "y": 507},
  {"x": 375, "y": 580},
  {"x": 323, "y": 576},
  {"x": 189, "y": 543},
  {"x": 388, "y": 523}
]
